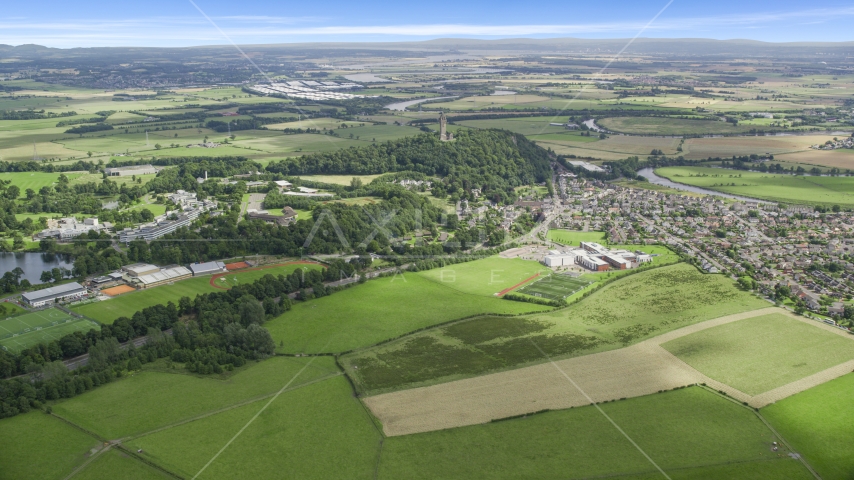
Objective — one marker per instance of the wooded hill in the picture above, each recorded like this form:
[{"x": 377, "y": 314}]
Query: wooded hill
[{"x": 493, "y": 161}]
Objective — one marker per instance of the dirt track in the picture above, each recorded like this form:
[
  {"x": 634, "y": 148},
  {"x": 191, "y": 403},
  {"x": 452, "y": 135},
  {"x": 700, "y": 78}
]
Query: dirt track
[{"x": 640, "y": 369}]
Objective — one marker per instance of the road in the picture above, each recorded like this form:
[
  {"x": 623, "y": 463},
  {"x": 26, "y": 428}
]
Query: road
[{"x": 678, "y": 240}]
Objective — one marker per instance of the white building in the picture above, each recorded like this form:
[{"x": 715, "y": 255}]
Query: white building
[
  {"x": 130, "y": 171},
  {"x": 40, "y": 298}
]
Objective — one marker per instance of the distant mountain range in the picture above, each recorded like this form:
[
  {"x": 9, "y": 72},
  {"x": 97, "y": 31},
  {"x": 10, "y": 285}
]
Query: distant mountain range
[{"x": 649, "y": 46}]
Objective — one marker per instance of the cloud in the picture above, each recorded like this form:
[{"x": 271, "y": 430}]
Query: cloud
[{"x": 172, "y": 31}]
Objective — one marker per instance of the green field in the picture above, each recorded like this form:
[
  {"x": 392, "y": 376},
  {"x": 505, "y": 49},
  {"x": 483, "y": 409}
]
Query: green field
[
  {"x": 39, "y": 446},
  {"x": 317, "y": 431},
  {"x": 378, "y": 310},
  {"x": 817, "y": 423},
  {"x": 762, "y": 353},
  {"x": 34, "y": 180},
  {"x": 154, "y": 399},
  {"x": 554, "y": 287},
  {"x": 485, "y": 277},
  {"x": 807, "y": 190},
  {"x": 116, "y": 464},
  {"x": 622, "y": 313},
  {"x": 43, "y": 326},
  {"x": 126, "y": 305},
  {"x": 575, "y": 237},
  {"x": 669, "y": 126},
  {"x": 689, "y": 433}
]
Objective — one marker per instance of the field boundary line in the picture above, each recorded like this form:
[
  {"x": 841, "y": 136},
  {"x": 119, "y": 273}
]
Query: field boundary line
[
  {"x": 255, "y": 416},
  {"x": 755, "y": 411},
  {"x": 225, "y": 409},
  {"x": 596, "y": 405}
]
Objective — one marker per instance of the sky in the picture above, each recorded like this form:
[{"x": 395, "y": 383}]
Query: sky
[{"x": 176, "y": 23}]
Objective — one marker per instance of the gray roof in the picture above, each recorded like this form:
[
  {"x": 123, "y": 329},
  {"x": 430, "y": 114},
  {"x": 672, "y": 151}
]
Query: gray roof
[
  {"x": 54, "y": 292},
  {"x": 207, "y": 267}
]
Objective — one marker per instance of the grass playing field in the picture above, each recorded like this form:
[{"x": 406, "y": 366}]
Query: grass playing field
[
  {"x": 485, "y": 277},
  {"x": 805, "y": 190},
  {"x": 622, "y": 313},
  {"x": 34, "y": 180},
  {"x": 35, "y": 445},
  {"x": 554, "y": 287},
  {"x": 43, "y": 326},
  {"x": 762, "y": 353},
  {"x": 817, "y": 423},
  {"x": 575, "y": 237},
  {"x": 380, "y": 309},
  {"x": 689, "y": 433}
]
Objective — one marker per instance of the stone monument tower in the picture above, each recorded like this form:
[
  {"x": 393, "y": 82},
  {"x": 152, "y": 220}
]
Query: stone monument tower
[{"x": 443, "y": 128}]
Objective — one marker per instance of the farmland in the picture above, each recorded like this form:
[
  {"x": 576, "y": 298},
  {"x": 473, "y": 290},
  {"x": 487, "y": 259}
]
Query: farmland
[
  {"x": 784, "y": 188},
  {"x": 53, "y": 453},
  {"x": 740, "y": 353},
  {"x": 669, "y": 126},
  {"x": 583, "y": 442},
  {"x": 817, "y": 423},
  {"x": 622, "y": 313},
  {"x": 138, "y": 404},
  {"x": 376, "y": 311},
  {"x": 42, "y": 326}
]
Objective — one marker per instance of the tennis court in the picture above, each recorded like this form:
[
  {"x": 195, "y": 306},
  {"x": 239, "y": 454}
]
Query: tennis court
[
  {"x": 22, "y": 331},
  {"x": 554, "y": 287},
  {"x": 236, "y": 266}
]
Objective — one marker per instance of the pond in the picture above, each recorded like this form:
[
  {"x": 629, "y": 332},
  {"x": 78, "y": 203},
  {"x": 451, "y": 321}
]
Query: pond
[{"x": 33, "y": 264}]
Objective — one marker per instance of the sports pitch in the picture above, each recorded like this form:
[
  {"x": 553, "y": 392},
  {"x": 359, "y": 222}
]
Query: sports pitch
[
  {"x": 554, "y": 287},
  {"x": 18, "y": 333}
]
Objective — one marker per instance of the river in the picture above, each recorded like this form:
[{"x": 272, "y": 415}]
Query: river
[
  {"x": 401, "y": 106},
  {"x": 650, "y": 175},
  {"x": 33, "y": 264}
]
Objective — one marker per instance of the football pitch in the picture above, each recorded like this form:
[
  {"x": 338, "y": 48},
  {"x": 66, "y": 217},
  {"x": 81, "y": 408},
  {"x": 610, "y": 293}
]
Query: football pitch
[
  {"x": 22, "y": 331},
  {"x": 554, "y": 287}
]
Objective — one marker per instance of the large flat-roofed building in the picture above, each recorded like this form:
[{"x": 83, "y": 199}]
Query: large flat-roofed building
[
  {"x": 130, "y": 170},
  {"x": 268, "y": 218},
  {"x": 167, "y": 275},
  {"x": 593, "y": 247},
  {"x": 208, "y": 268},
  {"x": 40, "y": 298},
  {"x": 140, "y": 269},
  {"x": 159, "y": 229},
  {"x": 593, "y": 263},
  {"x": 617, "y": 261},
  {"x": 559, "y": 260}
]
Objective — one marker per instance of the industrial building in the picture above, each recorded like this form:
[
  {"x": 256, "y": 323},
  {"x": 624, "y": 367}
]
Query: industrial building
[
  {"x": 207, "y": 268},
  {"x": 130, "y": 170},
  {"x": 167, "y": 275},
  {"x": 40, "y": 298},
  {"x": 140, "y": 269}
]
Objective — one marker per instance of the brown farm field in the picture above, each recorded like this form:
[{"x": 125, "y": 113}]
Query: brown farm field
[
  {"x": 842, "y": 158},
  {"x": 701, "y": 148}
]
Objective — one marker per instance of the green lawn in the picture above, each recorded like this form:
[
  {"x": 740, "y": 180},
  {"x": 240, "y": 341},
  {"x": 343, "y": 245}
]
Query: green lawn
[
  {"x": 34, "y": 180},
  {"x": 575, "y": 237},
  {"x": 39, "y": 446},
  {"x": 317, "y": 431},
  {"x": 485, "y": 277},
  {"x": 153, "y": 399},
  {"x": 818, "y": 424},
  {"x": 691, "y": 429},
  {"x": 622, "y": 313},
  {"x": 43, "y": 326},
  {"x": 115, "y": 464},
  {"x": 762, "y": 353},
  {"x": 378, "y": 310},
  {"x": 809, "y": 190}
]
